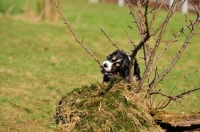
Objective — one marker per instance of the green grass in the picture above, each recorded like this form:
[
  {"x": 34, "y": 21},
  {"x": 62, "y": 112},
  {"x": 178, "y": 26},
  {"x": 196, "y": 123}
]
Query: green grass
[
  {"x": 101, "y": 107},
  {"x": 40, "y": 61},
  {"x": 10, "y": 6}
]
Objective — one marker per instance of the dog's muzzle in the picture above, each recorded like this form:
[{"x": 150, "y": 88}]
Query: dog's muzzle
[
  {"x": 106, "y": 68},
  {"x": 103, "y": 71},
  {"x": 109, "y": 74}
]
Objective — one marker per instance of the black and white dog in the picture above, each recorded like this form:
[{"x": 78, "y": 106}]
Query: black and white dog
[{"x": 118, "y": 63}]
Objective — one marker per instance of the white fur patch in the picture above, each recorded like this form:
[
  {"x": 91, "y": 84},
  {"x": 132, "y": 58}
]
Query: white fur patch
[
  {"x": 109, "y": 65},
  {"x": 129, "y": 58}
]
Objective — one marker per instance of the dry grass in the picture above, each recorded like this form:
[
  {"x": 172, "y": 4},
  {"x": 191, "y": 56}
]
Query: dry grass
[{"x": 104, "y": 107}]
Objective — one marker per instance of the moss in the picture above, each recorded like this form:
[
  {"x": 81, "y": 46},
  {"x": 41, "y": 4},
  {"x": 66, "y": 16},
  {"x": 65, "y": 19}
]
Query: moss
[
  {"x": 175, "y": 119},
  {"x": 104, "y": 107}
]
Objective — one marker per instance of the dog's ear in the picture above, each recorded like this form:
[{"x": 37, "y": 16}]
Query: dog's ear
[{"x": 124, "y": 69}]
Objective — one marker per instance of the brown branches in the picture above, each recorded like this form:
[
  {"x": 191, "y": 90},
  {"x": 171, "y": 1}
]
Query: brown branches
[
  {"x": 129, "y": 38},
  {"x": 194, "y": 25},
  {"x": 158, "y": 41},
  {"x": 76, "y": 38},
  {"x": 109, "y": 39},
  {"x": 141, "y": 21},
  {"x": 171, "y": 41},
  {"x": 170, "y": 97},
  {"x": 152, "y": 60},
  {"x": 144, "y": 27},
  {"x": 151, "y": 57},
  {"x": 183, "y": 76},
  {"x": 191, "y": 27}
]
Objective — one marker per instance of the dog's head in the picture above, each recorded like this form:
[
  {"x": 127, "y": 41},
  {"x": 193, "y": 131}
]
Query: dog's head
[{"x": 116, "y": 63}]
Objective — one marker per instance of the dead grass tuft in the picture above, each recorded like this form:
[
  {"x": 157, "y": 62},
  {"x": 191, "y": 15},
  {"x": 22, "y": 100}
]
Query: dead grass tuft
[{"x": 104, "y": 107}]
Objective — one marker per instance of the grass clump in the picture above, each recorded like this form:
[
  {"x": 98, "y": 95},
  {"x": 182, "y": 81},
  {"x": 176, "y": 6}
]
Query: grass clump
[{"x": 104, "y": 107}]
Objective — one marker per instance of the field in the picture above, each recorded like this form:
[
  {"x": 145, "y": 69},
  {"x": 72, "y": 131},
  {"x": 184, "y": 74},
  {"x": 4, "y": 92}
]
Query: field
[{"x": 40, "y": 61}]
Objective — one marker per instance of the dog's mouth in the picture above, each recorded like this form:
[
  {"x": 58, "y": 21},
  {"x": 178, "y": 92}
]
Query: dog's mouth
[
  {"x": 106, "y": 67},
  {"x": 103, "y": 71}
]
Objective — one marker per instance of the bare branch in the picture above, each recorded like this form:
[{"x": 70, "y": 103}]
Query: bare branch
[
  {"x": 135, "y": 30},
  {"x": 145, "y": 55},
  {"x": 167, "y": 101},
  {"x": 133, "y": 15},
  {"x": 129, "y": 38},
  {"x": 170, "y": 42},
  {"x": 194, "y": 25},
  {"x": 149, "y": 66},
  {"x": 145, "y": 38},
  {"x": 77, "y": 40},
  {"x": 197, "y": 8},
  {"x": 174, "y": 98},
  {"x": 171, "y": 56},
  {"x": 164, "y": 105},
  {"x": 109, "y": 39},
  {"x": 196, "y": 33},
  {"x": 138, "y": 17},
  {"x": 155, "y": 76},
  {"x": 151, "y": 11},
  {"x": 155, "y": 14},
  {"x": 183, "y": 76}
]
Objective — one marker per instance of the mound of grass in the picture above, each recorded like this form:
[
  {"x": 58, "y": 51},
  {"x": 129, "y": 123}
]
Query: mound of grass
[{"x": 104, "y": 107}]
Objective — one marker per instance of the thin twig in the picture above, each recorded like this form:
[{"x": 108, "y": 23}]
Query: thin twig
[
  {"x": 183, "y": 76},
  {"x": 110, "y": 39},
  {"x": 169, "y": 43},
  {"x": 197, "y": 9},
  {"x": 77, "y": 40},
  {"x": 135, "y": 30},
  {"x": 174, "y": 98},
  {"x": 145, "y": 38},
  {"x": 194, "y": 25},
  {"x": 164, "y": 104},
  {"x": 130, "y": 38},
  {"x": 153, "y": 53},
  {"x": 155, "y": 14},
  {"x": 155, "y": 76},
  {"x": 133, "y": 15}
]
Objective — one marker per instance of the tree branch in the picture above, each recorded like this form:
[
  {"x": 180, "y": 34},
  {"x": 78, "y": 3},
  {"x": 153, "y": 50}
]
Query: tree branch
[
  {"x": 145, "y": 38},
  {"x": 170, "y": 42},
  {"x": 77, "y": 40},
  {"x": 183, "y": 76},
  {"x": 149, "y": 65},
  {"x": 194, "y": 25},
  {"x": 109, "y": 39},
  {"x": 174, "y": 98},
  {"x": 130, "y": 39}
]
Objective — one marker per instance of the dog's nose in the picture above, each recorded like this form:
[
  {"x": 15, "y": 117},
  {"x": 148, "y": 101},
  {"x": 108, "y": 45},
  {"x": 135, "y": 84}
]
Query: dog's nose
[{"x": 105, "y": 65}]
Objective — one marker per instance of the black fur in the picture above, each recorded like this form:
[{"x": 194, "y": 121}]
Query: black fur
[{"x": 118, "y": 63}]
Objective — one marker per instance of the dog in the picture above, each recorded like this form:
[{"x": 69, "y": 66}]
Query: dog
[{"x": 117, "y": 64}]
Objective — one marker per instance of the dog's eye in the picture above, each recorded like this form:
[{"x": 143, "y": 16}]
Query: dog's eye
[
  {"x": 114, "y": 58},
  {"x": 117, "y": 64}
]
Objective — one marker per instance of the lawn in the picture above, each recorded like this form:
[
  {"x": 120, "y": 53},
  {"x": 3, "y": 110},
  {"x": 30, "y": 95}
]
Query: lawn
[{"x": 40, "y": 61}]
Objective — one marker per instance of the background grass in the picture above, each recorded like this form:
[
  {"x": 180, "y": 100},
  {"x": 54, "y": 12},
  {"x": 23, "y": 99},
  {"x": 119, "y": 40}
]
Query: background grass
[{"x": 40, "y": 61}]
